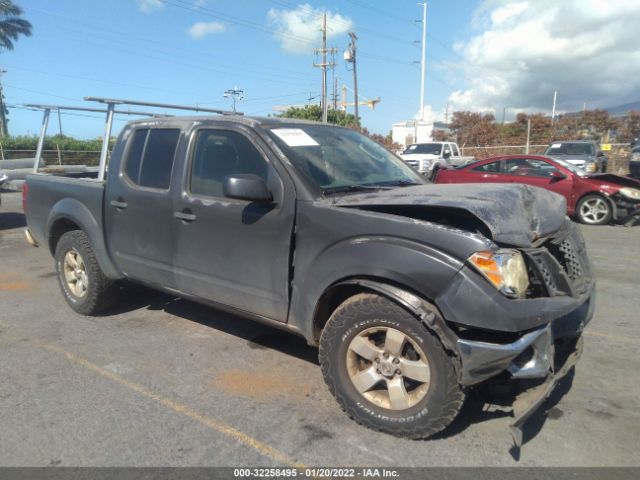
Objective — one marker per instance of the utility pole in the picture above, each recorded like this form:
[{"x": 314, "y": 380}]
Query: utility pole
[
  {"x": 526, "y": 151},
  {"x": 235, "y": 94},
  {"x": 423, "y": 61},
  {"x": 335, "y": 93},
  {"x": 4, "y": 131},
  {"x": 350, "y": 57},
  {"x": 323, "y": 51},
  {"x": 553, "y": 110}
]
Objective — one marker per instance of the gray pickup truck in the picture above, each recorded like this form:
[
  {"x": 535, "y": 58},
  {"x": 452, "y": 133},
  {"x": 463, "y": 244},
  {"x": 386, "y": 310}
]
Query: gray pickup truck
[{"x": 413, "y": 292}]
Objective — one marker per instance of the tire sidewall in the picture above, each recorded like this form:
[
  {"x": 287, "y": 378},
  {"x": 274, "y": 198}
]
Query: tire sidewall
[
  {"x": 359, "y": 406},
  {"x": 69, "y": 241}
]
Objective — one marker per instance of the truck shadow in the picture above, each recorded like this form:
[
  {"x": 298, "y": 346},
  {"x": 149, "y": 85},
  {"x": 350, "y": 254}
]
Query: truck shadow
[
  {"x": 11, "y": 220},
  {"x": 487, "y": 402},
  {"x": 257, "y": 335}
]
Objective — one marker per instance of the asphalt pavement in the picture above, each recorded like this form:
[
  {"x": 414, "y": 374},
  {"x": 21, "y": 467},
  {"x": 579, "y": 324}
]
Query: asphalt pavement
[{"x": 160, "y": 381}]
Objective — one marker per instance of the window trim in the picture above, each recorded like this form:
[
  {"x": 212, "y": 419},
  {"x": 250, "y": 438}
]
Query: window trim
[
  {"x": 186, "y": 181},
  {"x": 123, "y": 174}
]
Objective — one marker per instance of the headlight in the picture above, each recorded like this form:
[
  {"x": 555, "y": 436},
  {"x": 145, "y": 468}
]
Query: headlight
[
  {"x": 632, "y": 193},
  {"x": 590, "y": 167},
  {"x": 505, "y": 269}
]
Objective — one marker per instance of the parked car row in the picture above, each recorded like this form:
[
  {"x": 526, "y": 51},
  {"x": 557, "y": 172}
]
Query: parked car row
[{"x": 594, "y": 199}]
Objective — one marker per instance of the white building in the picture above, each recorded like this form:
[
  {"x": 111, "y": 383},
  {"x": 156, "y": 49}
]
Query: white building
[{"x": 412, "y": 131}]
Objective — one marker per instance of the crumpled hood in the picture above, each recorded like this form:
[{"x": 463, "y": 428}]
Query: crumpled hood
[
  {"x": 515, "y": 214},
  {"x": 618, "y": 180}
]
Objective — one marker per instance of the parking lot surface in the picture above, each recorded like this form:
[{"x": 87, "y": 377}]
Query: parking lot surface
[{"x": 160, "y": 381}]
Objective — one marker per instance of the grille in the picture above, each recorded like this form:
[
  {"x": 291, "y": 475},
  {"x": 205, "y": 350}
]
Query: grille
[{"x": 562, "y": 264}]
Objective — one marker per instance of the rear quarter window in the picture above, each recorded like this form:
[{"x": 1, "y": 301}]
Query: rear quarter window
[{"x": 150, "y": 157}]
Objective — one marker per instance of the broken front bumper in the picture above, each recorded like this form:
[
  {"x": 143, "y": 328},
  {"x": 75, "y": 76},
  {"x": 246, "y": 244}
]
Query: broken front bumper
[{"x": 531, "y": 399}]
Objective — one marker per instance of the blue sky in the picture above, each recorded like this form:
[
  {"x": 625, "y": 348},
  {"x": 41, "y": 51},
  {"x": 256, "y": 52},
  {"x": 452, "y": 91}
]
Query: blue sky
[
  {"x": 482, "y": 55},
  {"x": 143, "y": 50}
]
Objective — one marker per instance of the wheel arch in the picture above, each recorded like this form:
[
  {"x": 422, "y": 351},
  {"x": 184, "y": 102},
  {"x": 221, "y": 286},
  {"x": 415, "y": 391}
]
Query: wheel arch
[
  {"x": 69, "y": 214},
  {"x": 424, "y": 310}
]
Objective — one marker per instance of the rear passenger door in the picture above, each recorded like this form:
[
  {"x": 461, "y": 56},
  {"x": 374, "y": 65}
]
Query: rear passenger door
[
  {"x": 230, "y": 251},
  {"x": 139, "y": 207}
]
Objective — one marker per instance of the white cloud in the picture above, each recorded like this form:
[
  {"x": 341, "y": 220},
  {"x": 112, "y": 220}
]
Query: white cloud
[
  {"x": 200, "y": 30},
  {"x": 587, "y": 50},
  {"x": 299, "y": 29},
  {"x": 148, "y": 6}
]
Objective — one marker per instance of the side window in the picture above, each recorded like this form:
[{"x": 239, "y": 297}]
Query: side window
[
  {"x": 493, "y": 167},
  {"x": 134, "y": 155},
  {"x": 456, "y": 153},
  {"x": 529, "y": 167},
  {"x": 219, "y": 154},
  {"x": 150, "y": 158}
]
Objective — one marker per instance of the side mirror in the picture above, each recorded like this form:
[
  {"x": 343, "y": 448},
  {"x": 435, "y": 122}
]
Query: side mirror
[
  {"x": 600, "y": 154},
  {"x": 246, "y": 187},
  {"x": 446, "y": 154},
  {"x": 556, "y": 175}
]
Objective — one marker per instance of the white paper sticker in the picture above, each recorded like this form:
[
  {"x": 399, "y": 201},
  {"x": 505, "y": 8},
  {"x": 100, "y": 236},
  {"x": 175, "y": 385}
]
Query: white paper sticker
[
  {"x": 295, "y": 137},
  {"x": 556, "y": 145}
]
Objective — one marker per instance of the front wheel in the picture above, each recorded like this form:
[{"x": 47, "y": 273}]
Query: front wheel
[
  {"x": 594, "y": 210},
  {"x": 84, "y": 286},
  {"x": 387, "y": 370}
]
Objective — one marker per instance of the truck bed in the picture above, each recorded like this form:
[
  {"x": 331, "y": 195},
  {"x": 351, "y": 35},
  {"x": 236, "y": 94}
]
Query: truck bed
[{"x": 47, "y": 194}]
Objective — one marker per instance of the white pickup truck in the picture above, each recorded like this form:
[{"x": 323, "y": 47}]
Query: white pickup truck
[{"x": 426, "y": 158}]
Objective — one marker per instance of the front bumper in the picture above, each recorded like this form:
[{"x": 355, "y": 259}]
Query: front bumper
[{"x": 530, "y": 400}]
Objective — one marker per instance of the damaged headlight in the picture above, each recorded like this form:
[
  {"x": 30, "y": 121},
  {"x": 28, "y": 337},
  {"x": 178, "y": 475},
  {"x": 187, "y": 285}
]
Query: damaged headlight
[
  {"x": 632, "y": 193},
  {"x": 505, "y": 269}
]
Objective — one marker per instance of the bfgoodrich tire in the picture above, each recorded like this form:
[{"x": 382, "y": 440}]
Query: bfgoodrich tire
[
  {"x": 387, "y": 370},
  {"x": 84, "y": 286}
]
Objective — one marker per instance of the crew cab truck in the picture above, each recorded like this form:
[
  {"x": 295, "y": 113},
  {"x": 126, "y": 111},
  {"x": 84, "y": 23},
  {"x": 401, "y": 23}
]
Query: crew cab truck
[
  {"x": 413, "y": 292},
  {"x": 428, "y": 157}
]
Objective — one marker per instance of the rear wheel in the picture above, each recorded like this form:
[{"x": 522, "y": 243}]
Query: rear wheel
[
  {"x": 594, "y": 210},
  {"x": 387, "y": 370},
  {"x": 84, "y": 286}
]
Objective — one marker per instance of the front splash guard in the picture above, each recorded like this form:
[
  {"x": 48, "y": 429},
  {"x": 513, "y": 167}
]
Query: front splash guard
[{"x": 530, "y": 400}]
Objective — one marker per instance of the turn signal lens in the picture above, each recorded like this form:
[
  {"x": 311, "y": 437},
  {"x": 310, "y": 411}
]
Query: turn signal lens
[{"x": 505, "y": 269}]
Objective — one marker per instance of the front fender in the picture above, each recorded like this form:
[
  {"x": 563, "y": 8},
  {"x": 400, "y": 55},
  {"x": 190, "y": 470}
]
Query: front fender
[
  {"x": 396, "y": 261},
  {"x": 73, "y": 210}
]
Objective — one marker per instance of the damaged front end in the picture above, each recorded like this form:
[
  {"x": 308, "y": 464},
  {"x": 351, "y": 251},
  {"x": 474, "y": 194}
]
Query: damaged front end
[{"x": 539, "y": 334}]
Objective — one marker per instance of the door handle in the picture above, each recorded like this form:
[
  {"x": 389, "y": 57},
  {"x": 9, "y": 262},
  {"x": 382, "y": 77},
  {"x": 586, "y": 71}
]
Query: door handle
[
  {"x": 185, "y": 215},
  {"x": 120, "y": 204}
]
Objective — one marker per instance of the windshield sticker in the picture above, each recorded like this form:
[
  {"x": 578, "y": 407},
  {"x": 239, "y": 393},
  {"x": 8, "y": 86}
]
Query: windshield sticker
[
  {"x": 556, "y": 145},
  {"x": 295, "y": 137}
]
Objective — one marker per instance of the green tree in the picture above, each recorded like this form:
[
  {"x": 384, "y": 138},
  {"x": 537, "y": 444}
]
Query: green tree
[
  {"x": 11, "y": 25},
  {"x": 314, "y": 112}
]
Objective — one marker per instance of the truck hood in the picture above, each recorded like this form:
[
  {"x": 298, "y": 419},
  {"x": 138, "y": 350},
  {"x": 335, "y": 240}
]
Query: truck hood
[
  {"x": 418, "y": 156},
  {"x": 574, "y": 158},
  {"x": 515, "y": 215}
]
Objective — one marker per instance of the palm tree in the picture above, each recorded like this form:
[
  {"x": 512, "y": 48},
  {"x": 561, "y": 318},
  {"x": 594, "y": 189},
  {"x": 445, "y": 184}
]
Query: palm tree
[{"x": 11, "y": 26}]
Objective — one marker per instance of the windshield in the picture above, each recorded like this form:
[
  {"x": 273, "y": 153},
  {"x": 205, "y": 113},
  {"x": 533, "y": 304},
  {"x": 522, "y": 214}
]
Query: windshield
[
  {"x": 432, "y": 148},
  {"x": 570, "y": 166},
  {"x": 338, "y": 159},
  {"x": 569, "y": 149}
]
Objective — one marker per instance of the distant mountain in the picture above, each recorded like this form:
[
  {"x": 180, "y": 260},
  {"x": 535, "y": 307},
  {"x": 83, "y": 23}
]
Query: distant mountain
[{"x": 623, "y": 109}]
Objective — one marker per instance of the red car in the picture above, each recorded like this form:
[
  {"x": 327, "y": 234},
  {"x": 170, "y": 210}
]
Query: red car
[{"x": 595, "y": 199}]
